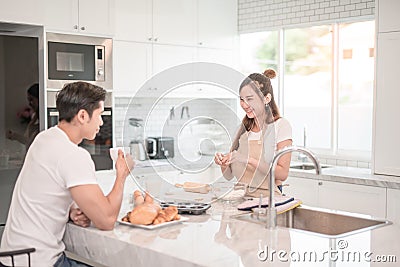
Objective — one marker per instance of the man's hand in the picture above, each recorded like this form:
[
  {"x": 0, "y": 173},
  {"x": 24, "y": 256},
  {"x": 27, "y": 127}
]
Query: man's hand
[
  {"x": 124, "y": 164},
  {"x": 78, "y": 217}
]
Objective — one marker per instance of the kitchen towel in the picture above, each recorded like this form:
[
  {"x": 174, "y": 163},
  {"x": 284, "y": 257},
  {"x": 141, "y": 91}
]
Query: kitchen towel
[
  {"x": 254, "y": 203},
  {"x": 288, "y": 206}
]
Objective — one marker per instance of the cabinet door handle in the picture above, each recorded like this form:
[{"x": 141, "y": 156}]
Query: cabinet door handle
[
  {"x": 156, "y": 39},
  {"x": 82, "y": 28},
  {"x": 319, "y": 183},
  {"x": 149, "y": 38},
  {"x": 75, "y": 27}
]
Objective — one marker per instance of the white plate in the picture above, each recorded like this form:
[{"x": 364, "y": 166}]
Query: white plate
[{"x": 152, "y": 226}]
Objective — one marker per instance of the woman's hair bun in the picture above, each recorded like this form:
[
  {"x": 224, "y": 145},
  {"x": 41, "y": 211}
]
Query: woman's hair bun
[{"x": 270, "y": 73}]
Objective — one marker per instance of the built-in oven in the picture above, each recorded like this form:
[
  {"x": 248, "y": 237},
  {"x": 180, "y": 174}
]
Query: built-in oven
[
  {"x": 99, "y": 147},
  {"x": 78, "y": 58}
]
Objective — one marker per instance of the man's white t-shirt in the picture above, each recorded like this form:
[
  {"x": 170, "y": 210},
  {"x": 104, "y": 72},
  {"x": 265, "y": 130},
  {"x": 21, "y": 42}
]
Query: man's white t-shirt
[{"x": 41, "y": 200}]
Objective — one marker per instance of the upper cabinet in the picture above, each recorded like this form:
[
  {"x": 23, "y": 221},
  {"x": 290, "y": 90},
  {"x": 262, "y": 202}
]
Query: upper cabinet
[
  {"x": 156, "y": 21},
  {"x": 22, "y": 11},
  {"x": 174, "y": 21},
  {"x": 388, "y": 15},
  {"x": 92, "y": 17},
  {"x": 177, "y": 22},
  {"x": 133, "y": 20},
  {"x": 217, "y": 23}
]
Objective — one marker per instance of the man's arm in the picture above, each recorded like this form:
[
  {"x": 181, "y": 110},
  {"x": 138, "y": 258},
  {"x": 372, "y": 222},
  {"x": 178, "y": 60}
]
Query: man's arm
[{"x": 103, "y": 210}]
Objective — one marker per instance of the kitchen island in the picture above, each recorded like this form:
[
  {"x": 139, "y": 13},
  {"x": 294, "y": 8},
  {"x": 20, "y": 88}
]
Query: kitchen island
[{"x": 217, "y": 239}]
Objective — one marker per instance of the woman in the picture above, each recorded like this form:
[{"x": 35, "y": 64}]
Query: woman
[
  {"x": 263, "y": 131},
  {"x": 32, "y": 128}
]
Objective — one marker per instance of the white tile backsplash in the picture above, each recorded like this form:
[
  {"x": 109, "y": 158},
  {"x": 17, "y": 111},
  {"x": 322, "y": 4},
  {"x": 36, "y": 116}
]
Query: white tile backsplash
[{"x": 262, "y": 15}]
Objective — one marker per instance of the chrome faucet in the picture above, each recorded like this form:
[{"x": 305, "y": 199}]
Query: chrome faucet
[
  {"x": 301, "y": 156},
  {"x": 271, "y": 210}
]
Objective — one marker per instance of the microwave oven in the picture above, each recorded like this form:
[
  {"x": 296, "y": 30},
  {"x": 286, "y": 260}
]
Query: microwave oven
[{"x": 78, "y": 58}]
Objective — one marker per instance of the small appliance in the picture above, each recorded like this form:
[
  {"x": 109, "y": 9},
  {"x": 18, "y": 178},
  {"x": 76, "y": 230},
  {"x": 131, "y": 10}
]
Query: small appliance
[
  {"x": 78, "y": 58},
  {"x": 160, "y": 147}
]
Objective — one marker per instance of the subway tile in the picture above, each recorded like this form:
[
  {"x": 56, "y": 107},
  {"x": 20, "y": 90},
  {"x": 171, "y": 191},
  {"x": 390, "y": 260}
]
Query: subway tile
[
  {"x": 334, "y": 3},
  {"x": 362, "y": 164},
  {"x": 370, "y": 4},
  {"x": 361, "y": 6},
  {"x": 331, "y": 162},
  {"x": 324, "y": 16},
  {"x": 352, "y": 163},
  {"x": 333, "y": 15},
  {"x": 344, "y": 14},
  {"x": 355, "y": 13},
  {"x": 367, "y": 11},
  {"x": 329, "y": 10},
  {"x": 350, "y": 7},
  {"x": 339, "y": 8}
]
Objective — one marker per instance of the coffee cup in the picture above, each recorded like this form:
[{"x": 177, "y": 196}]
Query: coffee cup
[{"x": 114, "y": 152}]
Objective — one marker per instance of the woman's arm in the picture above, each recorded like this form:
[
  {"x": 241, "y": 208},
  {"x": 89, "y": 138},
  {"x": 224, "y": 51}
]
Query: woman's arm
[{"x": 283, "y": 165}]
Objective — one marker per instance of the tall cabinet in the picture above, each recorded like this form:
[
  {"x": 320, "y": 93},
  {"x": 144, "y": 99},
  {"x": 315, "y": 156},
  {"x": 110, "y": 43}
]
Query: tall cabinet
[{"x": 387, "y": 91}]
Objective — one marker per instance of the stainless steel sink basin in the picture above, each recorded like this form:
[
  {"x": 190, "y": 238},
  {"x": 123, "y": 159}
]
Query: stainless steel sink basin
[
  {"x": 321, "y": 222},
  {"x": 307, "y": 166}
]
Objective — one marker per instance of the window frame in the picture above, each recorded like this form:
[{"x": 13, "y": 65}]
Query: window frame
[{"x": 334, "y": 152}]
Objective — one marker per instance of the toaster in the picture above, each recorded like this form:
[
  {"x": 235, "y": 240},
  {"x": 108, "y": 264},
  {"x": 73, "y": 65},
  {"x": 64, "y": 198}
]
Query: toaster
[{"x": 160, "y": 147}]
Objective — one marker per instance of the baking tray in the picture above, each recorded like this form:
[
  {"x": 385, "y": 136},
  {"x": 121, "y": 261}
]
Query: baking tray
[{"x": 194, "y": 208}]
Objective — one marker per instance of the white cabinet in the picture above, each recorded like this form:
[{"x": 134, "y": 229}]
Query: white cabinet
[
  {"x": 304, "y": 189},
  {"x": 217, "y": 23},
  {"x": 133, "y": 20},
  {"x": 174, "y": 21},
  {"x": 388, "y": 15},
  {"x": 219, "y": 56},
  {"x": 204, "y": 23},
  {"x": 338, "y": 196},
  {"x": 152, "y": 36},
  {"x": 387, "y": 130},
  {"x": 22, "y": 11},
  {"x": 135, "y": 63},
  {"x": 393, "y": 205},
  {"x": 352, "y": 198},
  {"x": 132, "y": 66},
  {"x": 156, "y": 21},
  {"x": 80, "y": 16},
  {"x": 166, "y": 56}
]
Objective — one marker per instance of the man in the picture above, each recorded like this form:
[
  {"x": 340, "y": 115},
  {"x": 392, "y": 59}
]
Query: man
[{"x": 56, "y": 175}]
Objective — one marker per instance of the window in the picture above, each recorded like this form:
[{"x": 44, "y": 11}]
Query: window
[
  {"x": 355, "y": 86},
  {"x": 325, "y": 82},
  {"x": 307, "y": 84}
]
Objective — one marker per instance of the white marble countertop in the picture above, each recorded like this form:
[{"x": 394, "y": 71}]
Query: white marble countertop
[
  {"x": 216, "y": 239},
  {"x": 350, "y": 175}
]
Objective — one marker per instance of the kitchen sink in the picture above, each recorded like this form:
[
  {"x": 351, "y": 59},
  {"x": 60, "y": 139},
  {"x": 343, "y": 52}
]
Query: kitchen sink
[
  {"x": 322, "y": 222},
  {"x": 307, "y": 166}
]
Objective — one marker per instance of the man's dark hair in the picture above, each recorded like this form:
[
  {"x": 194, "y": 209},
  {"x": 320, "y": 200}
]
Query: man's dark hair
[
  {"x": 34, "y": 90},
  {"x": 76, "y": 96}
]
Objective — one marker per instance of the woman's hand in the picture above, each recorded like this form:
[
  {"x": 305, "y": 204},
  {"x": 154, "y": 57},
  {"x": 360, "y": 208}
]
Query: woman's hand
[
  {"x": 78, "y": 217},
  {"x": 218, "y": 158},
  {"x": 235, "y": 156}
]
